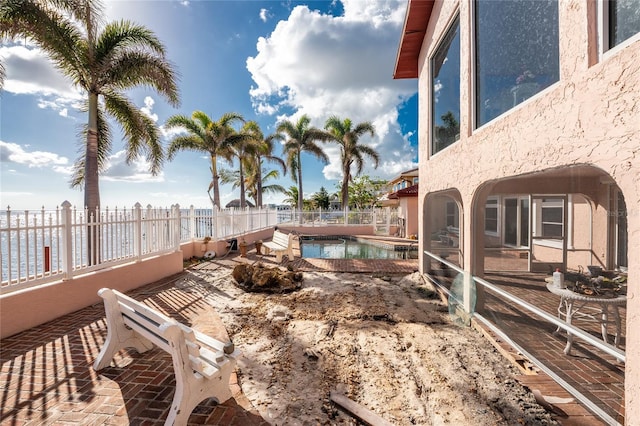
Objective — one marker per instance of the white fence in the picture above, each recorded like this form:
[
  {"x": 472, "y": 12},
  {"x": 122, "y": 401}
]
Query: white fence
[{"x": 50, "y": 245}]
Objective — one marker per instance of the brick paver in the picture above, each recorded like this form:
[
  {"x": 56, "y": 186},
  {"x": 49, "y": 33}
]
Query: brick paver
[
  {"x": 46, "y": 376},
  {"x": 595, "y": 374}
]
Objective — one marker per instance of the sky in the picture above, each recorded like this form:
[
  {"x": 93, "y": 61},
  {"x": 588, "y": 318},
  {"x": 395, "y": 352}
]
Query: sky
[{"x": 266, "y": 60}]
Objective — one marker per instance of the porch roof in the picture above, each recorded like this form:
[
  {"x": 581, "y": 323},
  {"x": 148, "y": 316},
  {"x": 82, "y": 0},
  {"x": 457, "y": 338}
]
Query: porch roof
[{"x": 411, "y": 191}]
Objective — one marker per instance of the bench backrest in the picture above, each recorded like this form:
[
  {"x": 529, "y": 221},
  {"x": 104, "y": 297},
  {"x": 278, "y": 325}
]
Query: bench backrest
[
  {"x": 168, "y": 334},
  {"x": 282, "y": 239}
]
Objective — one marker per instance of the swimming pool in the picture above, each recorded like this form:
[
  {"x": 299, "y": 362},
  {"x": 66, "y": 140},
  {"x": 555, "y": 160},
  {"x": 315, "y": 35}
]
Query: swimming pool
[{"x": 345, "y": 247}]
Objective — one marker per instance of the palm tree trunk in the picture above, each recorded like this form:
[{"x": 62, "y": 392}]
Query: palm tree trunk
[
  {"x": 345, "y": 190},
  {"x": 216, "y": 185},
  {"x": 259, "y": 183},
  {"x": 91, "y": 182},
  {"x": 300, "y": 203},
  {"x": 243, "y": 198}
]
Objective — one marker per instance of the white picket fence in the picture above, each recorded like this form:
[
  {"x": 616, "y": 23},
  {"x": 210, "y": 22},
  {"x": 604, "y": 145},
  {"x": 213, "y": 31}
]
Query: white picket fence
[{"x": 49, "y": 245}]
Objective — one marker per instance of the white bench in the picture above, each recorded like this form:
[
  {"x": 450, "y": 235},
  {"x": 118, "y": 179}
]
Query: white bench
[
  {"x": 280, "y": 244},
  {"x": 202, "y": 365}
]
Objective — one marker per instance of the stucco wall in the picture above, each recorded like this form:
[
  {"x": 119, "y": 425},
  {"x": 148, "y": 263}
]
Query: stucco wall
[
  {"x": 28, "y": 308},
  {"x": 590, "y": 117}
]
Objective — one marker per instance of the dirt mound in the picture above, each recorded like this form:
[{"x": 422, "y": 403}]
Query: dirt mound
[
  {"x": 385, "y": 342},
  {"x": 261, "y": 279}
]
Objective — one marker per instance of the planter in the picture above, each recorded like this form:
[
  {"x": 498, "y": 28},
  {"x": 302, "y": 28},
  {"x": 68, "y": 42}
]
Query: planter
[{"x": 259, "y": 247}]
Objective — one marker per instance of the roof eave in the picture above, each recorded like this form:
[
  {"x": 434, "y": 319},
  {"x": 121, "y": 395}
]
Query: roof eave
[{"x": 413, "y": 31}]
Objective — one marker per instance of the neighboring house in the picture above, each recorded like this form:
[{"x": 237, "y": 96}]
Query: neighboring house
[
  {"x": 404, "y": 180},
  {"x": 334, "y": 202},
  {"x": 403, "y": 194},
  {"x": 529, "y": 134}
]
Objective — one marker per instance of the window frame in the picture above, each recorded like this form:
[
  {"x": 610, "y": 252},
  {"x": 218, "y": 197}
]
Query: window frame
[
  {"x": 475, "y": 126},
  {"x": 455, "y": 214},
  {"x": 495, "y": 233},
  {"x": 536, "y": 232},
  {"x": 455, "y": 18},
  {"x": 604, "y": 43},
  {"x": 519, "y": 220}
]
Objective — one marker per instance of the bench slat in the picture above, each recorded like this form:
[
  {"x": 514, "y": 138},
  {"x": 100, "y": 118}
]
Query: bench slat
[
  {"x": 144, "y": 328},
  {"x": 202, "y": 364}
]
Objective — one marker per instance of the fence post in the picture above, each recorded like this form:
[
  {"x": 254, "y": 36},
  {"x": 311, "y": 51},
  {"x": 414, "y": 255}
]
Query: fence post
[
  {"x": 67, "y": 241},
  {"x": 177, "y": 226},
  {"x": 137, "y": 229},
  {"x": 192, "y": 223},
  {"x": 388, "y": 220},
  {"x": 215, "y": 222},
  {"x": 374, "y": 220}
]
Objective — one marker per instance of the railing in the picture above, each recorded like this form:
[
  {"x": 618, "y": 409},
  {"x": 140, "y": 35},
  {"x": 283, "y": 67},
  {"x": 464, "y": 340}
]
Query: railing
[
  {"x": 49, "y": 245},
  {"x": 460, "y": 300}
]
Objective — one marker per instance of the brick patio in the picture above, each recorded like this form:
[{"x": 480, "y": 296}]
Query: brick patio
[{"x": 47, "y": 378}]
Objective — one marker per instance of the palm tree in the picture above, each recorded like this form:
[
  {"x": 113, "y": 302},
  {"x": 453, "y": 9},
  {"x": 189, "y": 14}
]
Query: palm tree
[
  {"x": 292, "y": 196},
  {"x": 233, "y": 177},
  {"x": 242, "y": 146},
  {"x": 204, "y": 135},
  {"x": 104, "y": 61},
  {"x": 350, "y": 150},
  {"x": 302, "y": 138},
  {"x": 264, "y": 150}
]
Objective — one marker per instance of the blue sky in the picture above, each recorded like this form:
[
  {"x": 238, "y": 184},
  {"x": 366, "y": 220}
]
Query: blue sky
[{"x": 267, "y": 60}]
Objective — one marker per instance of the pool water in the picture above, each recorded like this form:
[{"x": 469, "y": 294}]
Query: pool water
[{"x": 345, "y": 248}]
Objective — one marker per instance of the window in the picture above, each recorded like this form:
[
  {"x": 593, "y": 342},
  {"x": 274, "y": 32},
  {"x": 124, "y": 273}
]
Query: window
[
  {"x": 516, "y": 221},
  {"x": 622, "y": 260},
  {"x": 451, "y": 214},
  {"x": 623, "y": 20},
  {"x": 516, "y": 53},
  {"x": 445, "y": 90},
  {"x": 552, "y": 215},
  {"x": 491, "y": 216}
]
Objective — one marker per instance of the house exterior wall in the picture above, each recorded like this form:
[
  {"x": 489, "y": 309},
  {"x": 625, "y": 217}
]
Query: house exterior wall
[
  {"x": 409, "y": 206},
  {"x": 590, "y": 117}
]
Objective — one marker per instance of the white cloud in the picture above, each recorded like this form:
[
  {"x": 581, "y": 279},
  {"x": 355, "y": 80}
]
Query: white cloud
[
  {"x": 138, "y": 171},
  {"x": 437, "y": 88},
  {"x": 148, "y": 106},
  {"x": 264, "y": 14},
  {"x": 14, "y": 153},
  {"x": 322, "y": 65},
  {"x": 30, "y": 72},
  {"x": 169, "y": 133}
]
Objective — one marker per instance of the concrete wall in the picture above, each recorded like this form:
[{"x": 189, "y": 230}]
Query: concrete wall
[
  {"x": 583, "y": 129},
  {"x": 28, "y": 308}
]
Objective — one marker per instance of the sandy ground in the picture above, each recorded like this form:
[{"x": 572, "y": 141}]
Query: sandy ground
[{"x": 385, "y": 342}]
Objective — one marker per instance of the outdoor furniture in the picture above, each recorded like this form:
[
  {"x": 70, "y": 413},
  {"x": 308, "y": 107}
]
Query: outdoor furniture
[
  {"x": 202, "y": 365},
  {"x": 575, "y": 306},
  {"x": 280, "y": 244}
]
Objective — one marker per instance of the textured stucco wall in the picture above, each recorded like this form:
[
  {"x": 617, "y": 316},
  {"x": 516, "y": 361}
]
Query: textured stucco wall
[{"x": 591, "y": 117}]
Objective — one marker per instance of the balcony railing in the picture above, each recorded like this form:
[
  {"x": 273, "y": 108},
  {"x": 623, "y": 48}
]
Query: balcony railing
[{"x": 50, "y": 245}]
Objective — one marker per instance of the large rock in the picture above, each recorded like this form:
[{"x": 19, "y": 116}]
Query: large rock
[{"x": 267, "y": 280}]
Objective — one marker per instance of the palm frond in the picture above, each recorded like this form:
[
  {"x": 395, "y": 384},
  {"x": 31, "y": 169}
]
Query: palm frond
[
  {"x": 140, "y": 130},
  {"x": 137, "y": 68}
]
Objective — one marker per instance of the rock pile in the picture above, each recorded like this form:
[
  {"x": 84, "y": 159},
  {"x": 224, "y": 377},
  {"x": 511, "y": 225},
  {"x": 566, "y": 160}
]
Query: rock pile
[{"x": 261, "y": 279}]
